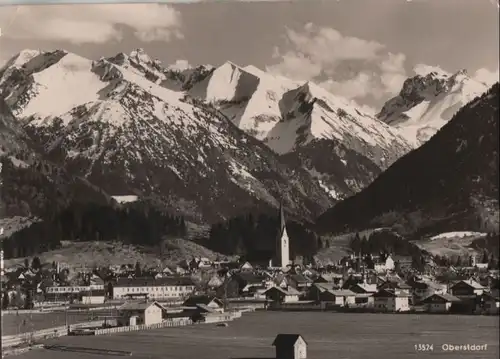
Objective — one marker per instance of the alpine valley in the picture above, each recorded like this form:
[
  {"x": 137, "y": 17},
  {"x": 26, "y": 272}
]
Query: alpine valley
[{"x": 88, "y": 145}]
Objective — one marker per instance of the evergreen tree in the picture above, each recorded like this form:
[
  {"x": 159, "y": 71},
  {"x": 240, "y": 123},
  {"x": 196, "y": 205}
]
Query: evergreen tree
[
  {"x": 484, "y": 258},
  {"x": 36, "y": 263},
  {"x": 5, "y": 300},
  {"x": 138, "y": 269},
  {"x": 492, "y": 262},
  {"x": 28, "y": 300}
]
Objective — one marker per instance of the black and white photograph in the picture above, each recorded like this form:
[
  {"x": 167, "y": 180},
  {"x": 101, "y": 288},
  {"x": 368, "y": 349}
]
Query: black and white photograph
[{"x": 308, "y": 179}]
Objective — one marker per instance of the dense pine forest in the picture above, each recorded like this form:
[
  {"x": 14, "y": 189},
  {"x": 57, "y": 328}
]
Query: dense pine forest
[
  {"x": 254, "y": 237},
  {"x": 134, "y": 224}
]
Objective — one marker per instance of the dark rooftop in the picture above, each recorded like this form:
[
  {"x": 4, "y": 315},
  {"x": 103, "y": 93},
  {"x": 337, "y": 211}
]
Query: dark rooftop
[{"x": 287, "y": 339}]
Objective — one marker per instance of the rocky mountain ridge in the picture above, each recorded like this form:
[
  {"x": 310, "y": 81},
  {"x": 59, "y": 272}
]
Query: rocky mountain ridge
[
  {"x": 128, "y": 135},
  {"x": 428, "y": 101}
]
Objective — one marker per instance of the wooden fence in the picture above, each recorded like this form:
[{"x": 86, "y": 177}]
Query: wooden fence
[
  {"x": 131, "y": 328},
  {"x": 23, "y": 338},
  {"x": 175, "y": 322}
]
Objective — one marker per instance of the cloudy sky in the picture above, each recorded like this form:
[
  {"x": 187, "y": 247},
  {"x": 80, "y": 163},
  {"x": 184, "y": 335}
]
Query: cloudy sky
[{"x": 360, "y": 49}]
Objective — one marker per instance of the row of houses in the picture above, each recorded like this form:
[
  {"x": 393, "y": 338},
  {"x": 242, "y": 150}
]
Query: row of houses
[
  {"x": 388, "y": 293},
  {"x": 147, "y": 311}
]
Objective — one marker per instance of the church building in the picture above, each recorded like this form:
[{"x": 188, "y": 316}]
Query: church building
[{"x": 282, "y": 255}]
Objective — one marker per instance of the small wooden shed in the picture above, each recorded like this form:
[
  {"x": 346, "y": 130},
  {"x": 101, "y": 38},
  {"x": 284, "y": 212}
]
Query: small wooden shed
[{"x": 290, "y": 346}]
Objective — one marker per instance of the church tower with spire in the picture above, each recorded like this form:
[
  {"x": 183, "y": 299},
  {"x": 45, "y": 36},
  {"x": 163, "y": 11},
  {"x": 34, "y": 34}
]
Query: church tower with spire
[{"x": 282, "y": 242}]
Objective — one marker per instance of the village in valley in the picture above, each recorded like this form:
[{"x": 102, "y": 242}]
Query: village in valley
[{"x": 199, "y": 290}]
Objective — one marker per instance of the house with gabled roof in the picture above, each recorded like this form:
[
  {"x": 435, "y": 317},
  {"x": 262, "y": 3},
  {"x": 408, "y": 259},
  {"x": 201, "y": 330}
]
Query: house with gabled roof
[
  {"x": 281, "y": 295},
  {"x": 439, "y": 302},
  {"x": 396, "y": 286},
  {"x": 140, "y": 312},
  {"x": 205, "y": 300},
  {"x": 215, "y": 281},
  {"x": 363, "y": 288},
  {"x": 390, "y": 301},
  {"x": 290, "y": 346},
  {"x": 490, "y": 302},
  {"x": 421, "y": 289},
  {"x": 341, "y": 297},
  {"x": 244, "y": 284},
  {"x": 299, "y": 281},
  {"x": 317, "y": 289},
  {"x": 329, "y": 277},
  {"x": 467, "y": 289}
]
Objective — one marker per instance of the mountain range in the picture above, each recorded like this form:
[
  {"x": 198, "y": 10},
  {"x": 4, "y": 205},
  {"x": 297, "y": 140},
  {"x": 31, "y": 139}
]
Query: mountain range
[{"x": 204, "y": 143}]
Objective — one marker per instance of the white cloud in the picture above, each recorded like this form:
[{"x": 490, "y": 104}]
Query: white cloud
[
  {"x": 296, "y": 66},
  {"x": 393, "y": 73},
  {"x": 180, "y": 65},
  {"x": 357, "y": 87},
  {"x": 80, "y": 24},
  {"x": 321, "y": 54},
  {"x": 486, "y": 76}
]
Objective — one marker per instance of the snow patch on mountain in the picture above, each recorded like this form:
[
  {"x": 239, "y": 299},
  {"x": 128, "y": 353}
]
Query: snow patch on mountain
[
  {"x": 125, "y": 199},
  {"x": 461, "y": 234},
  {"x": 324, "y": 184}
]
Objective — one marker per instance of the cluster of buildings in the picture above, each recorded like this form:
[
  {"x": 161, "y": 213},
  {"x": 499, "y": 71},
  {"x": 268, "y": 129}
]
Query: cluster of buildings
[
  {"x": 307, "y": 288},
  {"x": 390, "y": 285},
  {"x": 25, "y": 287}
]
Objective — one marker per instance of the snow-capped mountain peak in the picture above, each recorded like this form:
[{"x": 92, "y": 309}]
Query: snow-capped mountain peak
[
  {"x": 248, "y": 96},
  {"x": 22, "y": 57},
  {"x": 140, "y": 55},
  {"x": 141, "y": 63},
  {"x": 429, "y": 100}
]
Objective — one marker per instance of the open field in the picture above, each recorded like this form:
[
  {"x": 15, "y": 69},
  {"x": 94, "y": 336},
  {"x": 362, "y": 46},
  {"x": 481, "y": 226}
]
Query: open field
[
  {"x": 330, "y": 336},
  {"x": 89, "y": 254},
  {"x": 450, "y": 245},
  {"x": 22, "y": 323}
]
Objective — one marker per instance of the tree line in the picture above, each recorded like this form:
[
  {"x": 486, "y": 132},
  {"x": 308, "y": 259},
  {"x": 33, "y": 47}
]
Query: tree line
[
  {"x": 252, "y": 235},
  {"x": 138, "y": 224},
  {"x": 387, "y": 242}
]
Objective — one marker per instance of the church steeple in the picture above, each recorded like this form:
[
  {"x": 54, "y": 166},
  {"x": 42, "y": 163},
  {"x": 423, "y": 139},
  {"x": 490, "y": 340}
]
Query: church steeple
[
  {"x": 282, "y": 241},
  {"x": 282, "y": 218}
]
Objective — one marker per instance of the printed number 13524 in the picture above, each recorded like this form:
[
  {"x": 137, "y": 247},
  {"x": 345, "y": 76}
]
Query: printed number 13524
[{"x": 424, "y": 347}]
